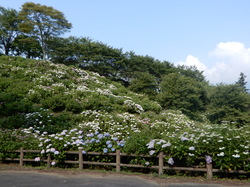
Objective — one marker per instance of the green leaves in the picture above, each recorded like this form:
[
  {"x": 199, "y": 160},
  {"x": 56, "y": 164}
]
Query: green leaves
[
  {"x": 242, "y": 82},
  {"x": 42, "y": 22},
  {"x": 8, "y": 28},
  {"x": 181, "y": 93},
  {"x": 229, "y": 103},
  {"x": 144, "y": 83},
  {"x": 28, "y": 46}
]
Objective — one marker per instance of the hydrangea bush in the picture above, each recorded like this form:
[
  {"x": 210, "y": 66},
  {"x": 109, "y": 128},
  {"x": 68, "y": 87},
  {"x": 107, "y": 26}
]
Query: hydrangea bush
[{"x": 62, "y": 108}]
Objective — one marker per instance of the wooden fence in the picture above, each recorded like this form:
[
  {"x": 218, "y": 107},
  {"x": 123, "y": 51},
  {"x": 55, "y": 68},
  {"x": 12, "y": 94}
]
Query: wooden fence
[{"x": 208, "y": 169}]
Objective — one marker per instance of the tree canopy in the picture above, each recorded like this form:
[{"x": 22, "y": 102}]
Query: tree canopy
[
  {"x": 42, "y": 22},
  {"x": 182, "y": 93},
  {"x": 8, "y": 28},
  {"x": 229, "y": 103},
  {"x": 242, "y": 82},
  {"x": 28, "y": 46}
]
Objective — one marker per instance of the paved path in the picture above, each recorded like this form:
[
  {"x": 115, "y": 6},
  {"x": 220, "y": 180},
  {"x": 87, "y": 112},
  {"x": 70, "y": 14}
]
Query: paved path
[
  {"x": 36, "y": 179},
  {"x": 28, "y": 179}
]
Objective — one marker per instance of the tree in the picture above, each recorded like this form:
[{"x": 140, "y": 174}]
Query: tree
[
  {"x": 42, "y": 22},
  {"x": 87, "y": 54},
  {"x": 136, "y": 63},
  {"x": 228, "y": 103},
  {"x": 179, "y": 92},
  {"x": 8, "y": 28},
  {"x": 144, "y": 83},
  {"x": 242, "y": 82},
  {"x": 67, "y": 50},
  {"x": 28, "y": 46},
  {"x": 192, "y": 72}
]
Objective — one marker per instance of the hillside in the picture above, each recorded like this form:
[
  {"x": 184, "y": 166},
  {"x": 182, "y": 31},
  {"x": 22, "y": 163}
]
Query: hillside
[
  {"x": 54, "y": 108},
  {"x": 29, "y": 86},
  {"x": 73, "y": 90}
]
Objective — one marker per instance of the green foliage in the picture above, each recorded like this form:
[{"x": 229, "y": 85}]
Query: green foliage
[
  {"x": 150, "y": 105},
  {"x": 191, "y": 72},
  {"x": 229, "y": 103},
  {"x": 60, "y": 89},
  {"x": 182, "y": 93},
  {"x": 28, "y": 46},
  {"x": 12, "y": 96},
  {"x": 90, "y": 55},
  {"x": 56, "y": 103},
  {"x": 14, "y": 121},
  {"x": 242, "y": 82},
  {"x": 181, "y": 88},
  {"x": 43, "y": 22},
  {"x": 144, "y": 83},
  {"x": 137, "y": 144},
  {"x": 14, "y": 139},
  {"x": 11, "y": 107},
  {"x": 109, "y": 62},
  {"x": 8, "y": 28},
  {"x": 44, "y": 121},
  {"x": 62, "y": 108}
]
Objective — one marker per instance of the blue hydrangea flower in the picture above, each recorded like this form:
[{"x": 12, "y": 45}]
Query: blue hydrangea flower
[
  {"x": 90, "y": 135},
  {"x": 108, "y": 142},
  {"x": 208, "y": 159},
  {"x": 121, "y": 143},
  {"x": 106, "y": 134},
  {"x": 105, "y": 150},
  {"x": 100, "y": 136}
]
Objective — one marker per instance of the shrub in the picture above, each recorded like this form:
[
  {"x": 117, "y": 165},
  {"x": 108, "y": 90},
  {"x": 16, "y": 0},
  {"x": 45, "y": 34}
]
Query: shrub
[
  {"x": 57, "y": 102},
  {"x": 12, "y": 122}
]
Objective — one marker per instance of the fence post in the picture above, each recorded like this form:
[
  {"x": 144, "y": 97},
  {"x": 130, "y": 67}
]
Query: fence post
[
  {"x": 21, "y": 157},
  {"x": 209, "y": 170},
  {"x": 80, "y": 159},
  {"x": 118, "y": 160},
  {"x": 161, "y": 163},
  {"x": 48, "y": 161}
]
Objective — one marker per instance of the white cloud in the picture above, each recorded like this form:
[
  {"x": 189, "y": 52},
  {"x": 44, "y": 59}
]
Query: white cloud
[
  {"x": 228, "y": 60},
  {"x": 233, "y": 52},
  {"x": 193, "y": 61},
  {"x": 231, "y": 58}
]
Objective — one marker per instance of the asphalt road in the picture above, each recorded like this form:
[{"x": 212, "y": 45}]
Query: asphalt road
[{"x": 36, "y": 179}]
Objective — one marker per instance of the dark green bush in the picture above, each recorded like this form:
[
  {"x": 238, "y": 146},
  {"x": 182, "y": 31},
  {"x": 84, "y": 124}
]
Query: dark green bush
[
  {"x": 74, "y": 105},
  {"x": 57, "y": 102},
  {"x": 14, "y": 139},
  {"x": 12, "y": 122},
  {"x": 15, "y": 107}
]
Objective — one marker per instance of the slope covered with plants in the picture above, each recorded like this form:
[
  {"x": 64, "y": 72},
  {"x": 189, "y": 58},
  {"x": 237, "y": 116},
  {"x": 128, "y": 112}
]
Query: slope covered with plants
[
  {"x": 29, "y": 86},
  {"x": 35, "y": 32},
  {"x": 86, "y": 94},
  {"x": 55, "y": 108}
]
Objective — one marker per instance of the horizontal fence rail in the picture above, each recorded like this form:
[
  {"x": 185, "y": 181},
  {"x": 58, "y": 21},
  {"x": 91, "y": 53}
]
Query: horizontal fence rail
[{"x": 117, "y": 164}]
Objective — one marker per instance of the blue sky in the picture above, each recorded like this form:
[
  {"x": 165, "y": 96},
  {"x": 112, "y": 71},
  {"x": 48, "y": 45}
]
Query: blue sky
[{"x": 214, "y": 35}]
